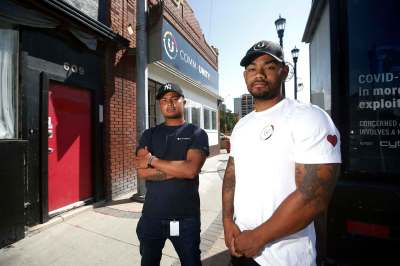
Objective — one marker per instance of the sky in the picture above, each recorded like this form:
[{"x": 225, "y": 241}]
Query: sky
[{"x": 233, "y": 26}]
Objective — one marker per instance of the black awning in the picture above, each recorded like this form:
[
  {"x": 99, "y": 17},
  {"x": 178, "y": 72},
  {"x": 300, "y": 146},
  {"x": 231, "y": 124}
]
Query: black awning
[{"x": 81, "y": 18}]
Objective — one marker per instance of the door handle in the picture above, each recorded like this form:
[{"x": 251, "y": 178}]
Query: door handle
[{"x": 50, "y": 150}]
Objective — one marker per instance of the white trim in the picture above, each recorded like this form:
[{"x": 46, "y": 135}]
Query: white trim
[
  {"x": 69, "y": 207},
  {"x": 210, "y": 110}
]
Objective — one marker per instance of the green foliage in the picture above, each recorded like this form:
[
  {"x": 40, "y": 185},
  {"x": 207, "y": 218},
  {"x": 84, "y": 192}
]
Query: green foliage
[{"x": 227, "y": 121}]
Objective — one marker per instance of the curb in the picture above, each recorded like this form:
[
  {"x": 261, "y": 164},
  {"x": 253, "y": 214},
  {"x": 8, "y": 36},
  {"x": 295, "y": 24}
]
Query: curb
[{"x": 30, "y": 231}]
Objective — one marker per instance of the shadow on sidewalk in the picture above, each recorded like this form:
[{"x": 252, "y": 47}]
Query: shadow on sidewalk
[
  {"x": 122, "y": 208},
  {"x": 219, "y": 259},
  {"x": 115, "y": 202}
]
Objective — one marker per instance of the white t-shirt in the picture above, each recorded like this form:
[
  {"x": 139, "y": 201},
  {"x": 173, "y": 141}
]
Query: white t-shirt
[{"x": 265, "y": 147}]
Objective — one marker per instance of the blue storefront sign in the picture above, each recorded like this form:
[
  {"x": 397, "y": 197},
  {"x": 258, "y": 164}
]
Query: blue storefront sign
[{"x": 180, "y": 54}]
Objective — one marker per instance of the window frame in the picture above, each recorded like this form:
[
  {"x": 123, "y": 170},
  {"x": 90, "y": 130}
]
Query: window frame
[
  {"x": 207, "y": 112},
  {"x": 214, "y": 120}
]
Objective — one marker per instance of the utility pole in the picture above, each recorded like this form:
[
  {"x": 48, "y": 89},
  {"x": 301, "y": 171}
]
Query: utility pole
[{"x": 141, "y": 84}]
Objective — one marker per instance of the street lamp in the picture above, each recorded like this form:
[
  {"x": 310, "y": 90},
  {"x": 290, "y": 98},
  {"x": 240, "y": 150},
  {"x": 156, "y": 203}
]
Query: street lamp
[
  {"x": 280, "y": 28},
  {"x": 295, "y": 54}
]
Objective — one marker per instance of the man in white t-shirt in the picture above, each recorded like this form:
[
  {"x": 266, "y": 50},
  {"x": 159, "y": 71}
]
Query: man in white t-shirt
[{"x": 282, "y": 169}]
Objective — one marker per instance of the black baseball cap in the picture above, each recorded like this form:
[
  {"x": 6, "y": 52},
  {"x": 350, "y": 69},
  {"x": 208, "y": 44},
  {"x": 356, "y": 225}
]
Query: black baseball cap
[
  {"x": 260, "y": 48},
  {"x": 168, "y": 87}
]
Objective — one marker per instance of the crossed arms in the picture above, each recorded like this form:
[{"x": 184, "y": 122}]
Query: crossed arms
[
  {"x": 150, "y": 167},
  {"x": 314, "y": 187}
]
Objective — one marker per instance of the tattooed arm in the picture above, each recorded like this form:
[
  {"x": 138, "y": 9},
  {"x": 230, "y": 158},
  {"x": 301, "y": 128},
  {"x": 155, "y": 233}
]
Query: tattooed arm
[
  {"x": 231, "y": 230},
  {"x": 149, "y": 173},
  {"x": 152, "y": 174},
  {"x": 185, "y": 169},
  {"x": 314, "y": 186}
]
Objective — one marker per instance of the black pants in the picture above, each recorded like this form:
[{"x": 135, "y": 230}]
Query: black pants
[
  {"x": 153, "y": 233},
  {"x": 243, "y": 261}
]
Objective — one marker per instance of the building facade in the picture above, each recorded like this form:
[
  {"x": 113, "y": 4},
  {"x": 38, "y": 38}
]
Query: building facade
[
  {"x": 68, "y": 111},
  {"x": 354, "y": 73},
  {"x": 237, "y": 106},
  {"x": 54, "y": 108},
  {"x": 180, "y": 54},
  {"x": 247, "y": 104}
]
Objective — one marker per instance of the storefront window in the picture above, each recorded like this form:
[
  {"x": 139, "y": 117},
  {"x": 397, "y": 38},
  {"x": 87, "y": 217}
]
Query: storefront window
[
  {"x": 374, "y": 87},
  {"x": 207, "y": 121},
  {"x": 186, "y": 114},
  {"x": 196, "y": 116},
  {"x": 8, "y": 82},
  {"x": 153, "y": 104},
  {"x": 213, "y": 120}
]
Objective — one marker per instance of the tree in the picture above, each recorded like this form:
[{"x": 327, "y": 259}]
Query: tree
[{"x": 227, "y": 121}]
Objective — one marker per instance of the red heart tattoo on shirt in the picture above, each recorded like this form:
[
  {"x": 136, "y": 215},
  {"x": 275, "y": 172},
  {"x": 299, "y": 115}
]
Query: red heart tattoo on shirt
[{"x": 332, "y": 139}]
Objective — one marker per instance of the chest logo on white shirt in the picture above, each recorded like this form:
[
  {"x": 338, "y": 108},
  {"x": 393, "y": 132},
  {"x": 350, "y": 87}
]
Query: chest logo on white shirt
[{"x": 267, "y": 132}]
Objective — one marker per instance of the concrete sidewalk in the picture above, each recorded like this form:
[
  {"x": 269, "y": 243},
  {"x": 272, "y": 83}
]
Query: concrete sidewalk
[{"x": 105, "y": 234}]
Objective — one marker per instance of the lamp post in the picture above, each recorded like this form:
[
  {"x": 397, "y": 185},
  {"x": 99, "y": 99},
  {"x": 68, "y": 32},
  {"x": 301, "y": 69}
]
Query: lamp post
[
  {"x": 295, "y": 55},
  {"x": 280, "y": 28}
]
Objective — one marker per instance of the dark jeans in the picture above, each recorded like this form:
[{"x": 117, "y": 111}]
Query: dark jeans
[
  {"x": 243, "y": 261},
  {"x": 152, "y": 234}
]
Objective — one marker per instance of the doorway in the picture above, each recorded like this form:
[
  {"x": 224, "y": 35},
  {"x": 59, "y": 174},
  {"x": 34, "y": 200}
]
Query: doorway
[{"x": 69, "y": 147}]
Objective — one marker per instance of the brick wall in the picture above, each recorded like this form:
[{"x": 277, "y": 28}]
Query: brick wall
[
  {"x": 119, "y": 93},
  {"x": 119, "y": 106}
]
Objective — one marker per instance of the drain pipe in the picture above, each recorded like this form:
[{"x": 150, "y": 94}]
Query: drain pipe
[{"x": 141, "y": 85}]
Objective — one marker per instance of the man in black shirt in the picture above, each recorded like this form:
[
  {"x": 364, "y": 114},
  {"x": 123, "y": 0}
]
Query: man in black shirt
[{"x": 169, "y": 158}]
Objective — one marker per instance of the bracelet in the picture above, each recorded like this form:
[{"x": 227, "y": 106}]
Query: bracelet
[
  {"x": 159, "y": 173},
  {"x": 150, "y": 160}
]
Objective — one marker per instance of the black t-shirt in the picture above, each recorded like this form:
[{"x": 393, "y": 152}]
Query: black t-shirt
[{"x": 173, "y": 198}]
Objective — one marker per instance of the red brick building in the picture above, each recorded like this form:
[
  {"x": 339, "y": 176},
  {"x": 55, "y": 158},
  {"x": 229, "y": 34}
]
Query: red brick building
[
  {"x": 119, "y": 103},
  {"x": 55, "y": 57},
  {"x": 120, "y": 109}
]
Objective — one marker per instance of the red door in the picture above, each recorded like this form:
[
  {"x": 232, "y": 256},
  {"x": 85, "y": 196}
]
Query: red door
[{"x": 69, "y": 146}]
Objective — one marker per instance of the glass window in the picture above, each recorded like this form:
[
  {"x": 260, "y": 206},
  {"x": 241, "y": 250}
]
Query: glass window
[
  {"x": 152, "y": 107},
  {"x": 207, "y": 121},
  {"x": 196, "y": 116},
  {"x": 186, "y": 114},
  {"x": 373, "y": 95},
  {"x": 8, "y": 82},
  {"x": 213, "y": 120}
]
